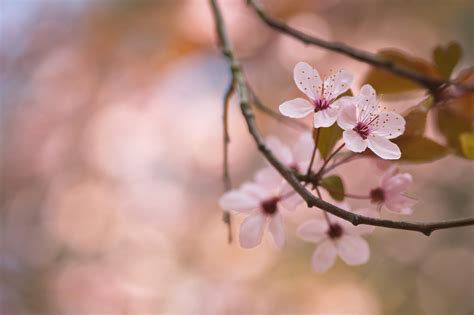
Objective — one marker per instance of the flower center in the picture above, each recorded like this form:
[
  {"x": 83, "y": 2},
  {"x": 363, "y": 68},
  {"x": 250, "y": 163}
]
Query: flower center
[
  {"x": 321, "y": 104},
  {"x": 377, "y": 195},
  {"x": 335, "y": 231},
  {"x": 362, "y": 129},
  {"x": 269, "y": 206}
]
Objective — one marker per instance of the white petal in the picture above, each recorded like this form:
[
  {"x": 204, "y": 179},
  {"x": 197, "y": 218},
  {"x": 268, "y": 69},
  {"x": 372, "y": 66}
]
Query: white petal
[
  {"x": 312, "y": 230},
  {"x": 307, "y": 80},
  {"x": 347, "y": 119},
  {"x": 384, "y": 148},
  {"x": 353, "y": 250},
  {"x": 389, "y": 125},
  {"x": 337, "y": 84},
  {"x": 324, "y": 256},
  {"x": 277, "y": 230},
  {"x": 354, "y": 141},
  {"x": 297, "y": 108},
  {"x": 367, "y": 102},
  {"x": 237, "y": 200},
  {"x": 251, "y": 230},
  {"x": 326, "y": 117},
  {"x": 281, "y": 151}
]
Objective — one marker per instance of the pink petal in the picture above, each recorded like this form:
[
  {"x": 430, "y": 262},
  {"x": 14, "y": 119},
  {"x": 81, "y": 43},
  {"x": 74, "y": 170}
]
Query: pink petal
[
  {"x": 337, "y": 84},
  {"x": 281, "y": 151},
  {"x": 400, "y": 204},
  {"x": 389, "y": 125},
  {"x": 353, "y": 250},
  {"x": 347, "y": 118},
  {"x": 397, "y": 184},
  {"x": 391, "y": 171},
  {"x": 384, "y": 148},
  {"x": 277, "y": 230},
  {"x": 312, "y": 230},
  {"x": 302, "y": 151},
  {"x": 326, "y": 117},
  {"x": 238, "y": 200},
  {"x": 251, "y": 230},
  {"x": 307, "y": 80},
  {"x": 354, "y": 141},
  {"x": 257, "y": 190},
  {"x": 297, "y": 108},
  {"x": 324, "y": 256},
  {"x": 290, "y": 199}
]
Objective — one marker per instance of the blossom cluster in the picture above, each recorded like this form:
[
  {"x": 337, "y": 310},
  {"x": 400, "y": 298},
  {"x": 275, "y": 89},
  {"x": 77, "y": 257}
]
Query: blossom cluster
[{"x": 265, "y": 199}]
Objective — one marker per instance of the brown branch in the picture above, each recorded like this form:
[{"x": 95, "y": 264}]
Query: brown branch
[
  {"x": 288, "y": 175},
  {"x": 429, "y": 83},
  {"x": 275, "y": 115}
]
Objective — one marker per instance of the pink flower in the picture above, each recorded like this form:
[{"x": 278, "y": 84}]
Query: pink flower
[
  {"x": 339, "y": 238},
  {"x": 391, "y": 191},
  {"x": 296, "y": 158},
  {"x": 322, "y": 95},
  {"x": 263, "y": 201},
  {"x": 365, "y": 125}
]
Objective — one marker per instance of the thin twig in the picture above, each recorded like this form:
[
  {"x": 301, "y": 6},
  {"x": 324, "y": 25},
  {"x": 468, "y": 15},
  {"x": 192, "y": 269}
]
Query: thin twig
[
  {"x": 313, "y": 154},
  {"x": 432, "y": 84},
  {"x": 288, "y": 175},
  {"x": 226, "y": 217},
  {"x": 321, "y": 170},
  {"x": 257, "y": 102}
]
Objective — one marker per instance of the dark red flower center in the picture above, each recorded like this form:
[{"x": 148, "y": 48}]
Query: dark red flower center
[
  {"x": 269, "y": 206},
  {"x": 362, "y": 129},
  {"x": 377, "y": 195},
  {"x": 321, "y": 104},
  {"x": 335, "y": 231}
]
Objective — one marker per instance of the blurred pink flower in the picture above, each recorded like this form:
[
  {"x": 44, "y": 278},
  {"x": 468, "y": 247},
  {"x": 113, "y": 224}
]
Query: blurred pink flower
[
  {"x": 263, "y": 201},
  {"x": 365, "y": 125},
  {"x": 296, "y": 158},
  {"x": 322, "y": 95},
  {"x": 391, "y": 191},
  {"x": 337, "y": 237}
]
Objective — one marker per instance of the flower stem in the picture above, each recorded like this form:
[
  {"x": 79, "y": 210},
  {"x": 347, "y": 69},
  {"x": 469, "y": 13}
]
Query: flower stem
[
  {"x": 330, "y": 157},
  {"x": 356, "y": 196},
  {"x": 326, "y": 216}
]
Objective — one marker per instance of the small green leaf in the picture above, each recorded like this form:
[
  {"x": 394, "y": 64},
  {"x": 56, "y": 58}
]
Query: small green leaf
[
  {"x": 346, "y": 93},
  {"x": 446, "y": 58},
  {"x": 385, "y": 82},
  {"x": 333, "y": 184},
  {"x": 328, "y": 137},
  {"x": 467, "y": 144},
  {"x": 415, "y": 118},
  {"x": 420, "y": 149}
]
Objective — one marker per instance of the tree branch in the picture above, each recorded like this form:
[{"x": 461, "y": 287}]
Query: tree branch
[
  {"x": 431, "y": 84},
  {"x": 288, "y": 175}
]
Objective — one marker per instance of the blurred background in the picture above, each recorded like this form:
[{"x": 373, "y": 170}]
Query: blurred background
[{"x": 112, "y": 156}]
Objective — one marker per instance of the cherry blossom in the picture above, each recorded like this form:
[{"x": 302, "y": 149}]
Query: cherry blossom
[
  {"x": 263, "y": 201},
  {"x": 336, "y": 237},
  {"x": 391, "y": 191},
  {"x": 322, "y": 95},
  {"x": 365, "y": 125},
  {"x": 297, "y": 157}
]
